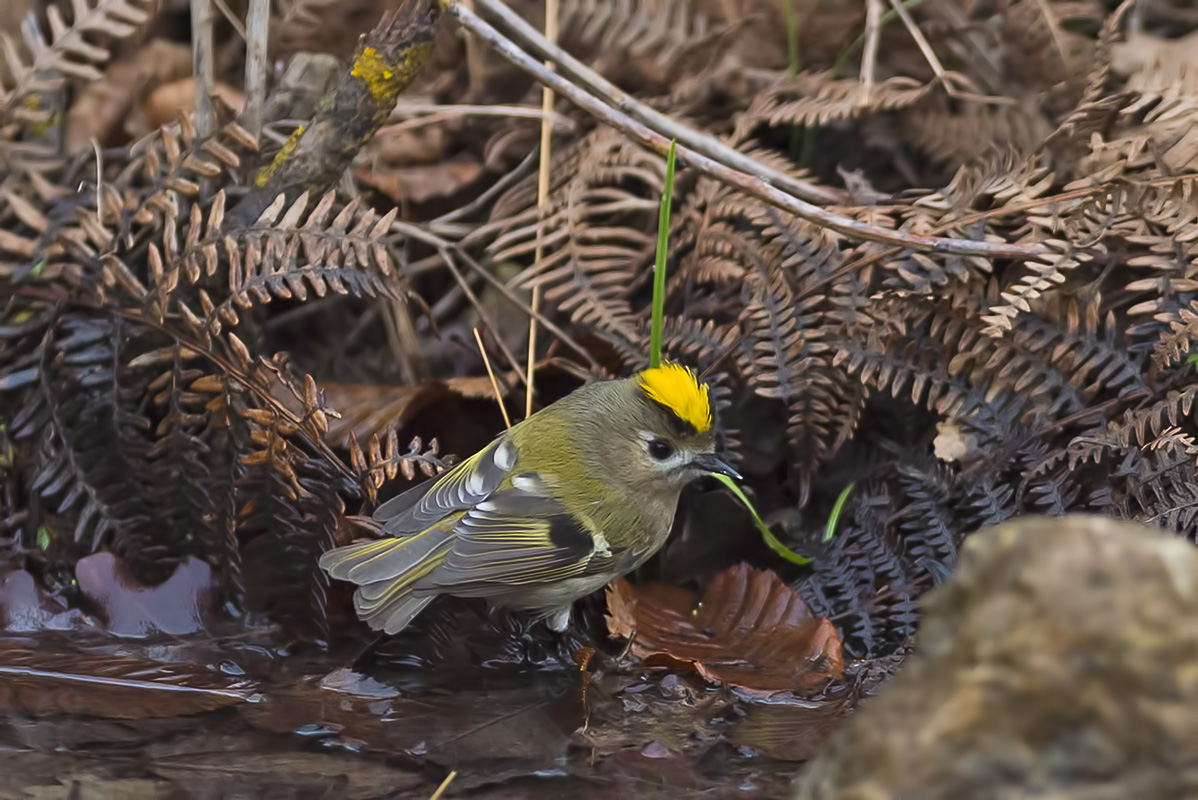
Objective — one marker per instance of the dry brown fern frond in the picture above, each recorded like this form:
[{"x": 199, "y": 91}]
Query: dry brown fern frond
[
  {"x": 1161, "y": 223},
  {"x": 1039, "y": 277},
  {"x": 957, "y": 134},
  {"x": 1156, "y": 127},
  {"x": 287, "y": 252},
  {"x": 640, "y": 44},
  {"x": 69, "y": 50},
  {"x": 598, "y": 229},
  {"x": 760, "y": 262},
  {"x": 819, "y": 98},
  {"x": 1135, "y": 429},
  {"x": 383, "y": 461},
  {"x": 170, "y": 164}
]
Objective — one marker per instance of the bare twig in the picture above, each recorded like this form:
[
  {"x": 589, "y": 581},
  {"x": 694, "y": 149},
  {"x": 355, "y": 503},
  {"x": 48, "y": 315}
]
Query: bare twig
[
  {"x": 444, "y": 785},
  {"x": 507, "y": 422},
  {"x": 229, "y": 16},
  {"x": 713, "y": 148},
  {"x": 947, "y": 79},
  {"x": 750, "y": 184},
  {"x": 482, "y": 313},
  {"x": 317, "y": 154},
  {"x": 257, "y": 33},
  {"x": 203, "y": 66},
  {"x": 445, "y": 247},
  {"x": 551, "y": 19},
  {"x": 426, "y": 112},
  {"x": 483, "y": 200},
  {"x": 869, "y": 56}
]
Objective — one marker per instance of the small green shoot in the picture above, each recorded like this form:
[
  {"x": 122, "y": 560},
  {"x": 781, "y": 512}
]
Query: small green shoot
[
  {"x": 792, "y": 56},
  {"x": 792, "y": 36},
  {"x": 657, "y": 322},
  {"x": 656, "y": 334},
  {"x": 1192, "y": 360},
  {"x": 837, "y": 509},
  {"x": 766, "y": 533},
  {"x": 43, "y": 538}
]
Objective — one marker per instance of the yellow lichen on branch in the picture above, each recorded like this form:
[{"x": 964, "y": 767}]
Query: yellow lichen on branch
[
  {"x": 266, "y": 173},
  {"x": 385, "y": 79},
  {"x": 316, "y": 155}
]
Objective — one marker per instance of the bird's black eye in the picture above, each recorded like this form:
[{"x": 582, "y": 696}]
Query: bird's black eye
[{"x": 660, "y": 450}]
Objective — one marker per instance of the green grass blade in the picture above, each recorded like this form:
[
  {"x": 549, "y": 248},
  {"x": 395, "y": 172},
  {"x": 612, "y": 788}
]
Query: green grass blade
[
  {"x": 766, "y": 533},
  {"x": 659, "y": 263},
  {"x": 837, "y": 509}
]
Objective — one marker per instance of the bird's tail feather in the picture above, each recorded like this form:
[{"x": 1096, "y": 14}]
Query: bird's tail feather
[
  {"x": 393, "y": 613},
  {"x": 387, "y": 571},
  {"x": 383, "y": 559}
]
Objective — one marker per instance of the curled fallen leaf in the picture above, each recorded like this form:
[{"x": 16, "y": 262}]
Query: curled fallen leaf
[
  {"x": 37, "y": 682},
  {"x": 750, "y": 631},
  {"x": 367, "y": 409}
]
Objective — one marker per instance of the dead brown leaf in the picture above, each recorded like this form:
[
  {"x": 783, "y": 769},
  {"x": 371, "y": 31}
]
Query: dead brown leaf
[
  {"x": 103, "y": 107},
  {"x": 402, "y": 145},
  {"x": 367, "y": 409},
  {"x": 749, "y": 630},
  {"x": 166, "y": 103},
  {"x": 420, "y": 184}
]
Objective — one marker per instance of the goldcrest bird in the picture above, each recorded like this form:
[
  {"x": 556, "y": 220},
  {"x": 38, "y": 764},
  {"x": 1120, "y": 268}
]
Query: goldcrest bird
[{"x": 554, "y": 508}]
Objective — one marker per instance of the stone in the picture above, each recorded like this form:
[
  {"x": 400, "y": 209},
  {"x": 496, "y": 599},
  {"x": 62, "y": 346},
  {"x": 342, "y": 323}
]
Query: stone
[{"x": 1061, "y": 660}]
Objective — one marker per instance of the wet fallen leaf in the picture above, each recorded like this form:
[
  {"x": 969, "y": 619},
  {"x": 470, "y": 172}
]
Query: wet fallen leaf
[
  {"x": 491, "y": 725},
  {"x": 750, "y": 631},
  {"x": 296, "y": 774},
  {"x": 178, "y": 606},
  {"x": 25, "y": 607},
  {"x": 38, "y": 682},
  {"x": 790, "y": 732}
]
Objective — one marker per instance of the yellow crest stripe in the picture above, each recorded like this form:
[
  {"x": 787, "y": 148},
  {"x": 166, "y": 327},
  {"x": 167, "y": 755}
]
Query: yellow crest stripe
[{"x": 676, "y": 387}]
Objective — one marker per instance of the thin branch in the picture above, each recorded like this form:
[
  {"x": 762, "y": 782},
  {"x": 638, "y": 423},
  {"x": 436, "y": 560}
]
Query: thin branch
[
  {"x": 230, "y": 17},
  {"x": 483, "y": 200},
  {"x": 424, "y": 112},
  {"x": 444, "y": 246},
  {"x": 507, "y": 421},
  {"x": 869, "y": 56},
  {"x": 945, "y": 77},
  {"x": 257, "y": 33},
  {"x": 748, "y": 183},
  {"x": 547, "y": 103},
  {"x": 203, "y": 66},
  {"x": 483, "y": 315},
  {"x": 528, "y": 36}
]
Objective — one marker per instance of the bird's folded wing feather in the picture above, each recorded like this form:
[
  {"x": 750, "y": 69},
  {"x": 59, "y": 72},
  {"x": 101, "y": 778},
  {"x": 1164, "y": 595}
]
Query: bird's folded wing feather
[
  {"x": 516, "y": 538},
  {"x": 463, "y": 487}
]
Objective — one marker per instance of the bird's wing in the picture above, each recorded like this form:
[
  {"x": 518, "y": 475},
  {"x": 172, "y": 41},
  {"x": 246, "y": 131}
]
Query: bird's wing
[
  {"x": 459, "y": 489},
  {"x": 519, "y": 537}
]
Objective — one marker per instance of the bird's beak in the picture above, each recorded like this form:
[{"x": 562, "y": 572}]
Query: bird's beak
[{"x": 709, "y": 462}]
